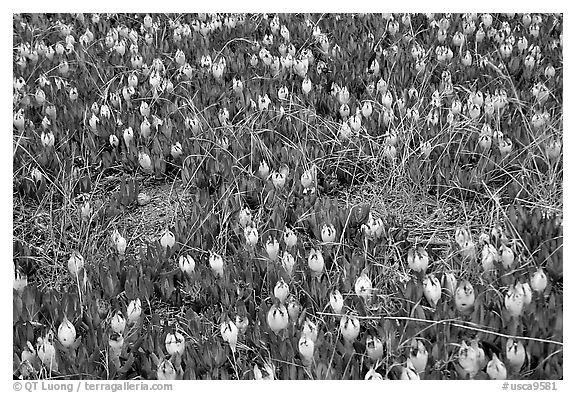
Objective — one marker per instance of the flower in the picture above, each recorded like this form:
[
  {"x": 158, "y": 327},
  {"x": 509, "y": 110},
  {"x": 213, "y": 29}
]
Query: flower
[
  {"x": 418, "y": 259},
  {"x": 145, "y": 161},
  {"x": 293, "y": 307},
  {"x": 310, "y": 330},
  {"x": 374, "y": 348},
  {"x": 496, "y": 368},
  {"x": 316, "y": 261},
  {"x": 166, "y": 371},
  {"x": 278, "y": 179},
  {"x": 251, "y": 235},
  {"x": 168, "y": 239},
  {"x": 418, "y": 355},
  {"x": 367, "y": 109},
  {"x": 66, "y": 333},
  {"x": 515, "y": 354},
  {"x": 47, "y": 139},
  {"x": 506, "y": 256},
  {"x": 288, "y": 262},
  {"x": 175, "y": 343},
  {"x": 290, "y": 238},
  {"x": 272, "y": 248},
  {"x": 20, "y": 281},
  {"x": 464, "y": 297},
  {"x": 363, "y": 285},
  {"x": 328, "y": 233},
  {"x": 216, "y": 264},
  {"x": 134, "y": 310},
  {"x": 263, "y": 170},
  {"x": 241, "y": 323},
  {"x": 229, "y": 332},
  {"x": 307, "y": 179},
  {"x": 306, "y": 349},
  {"x": 409, "y": 372},
  {"x": 187, "y": 264},
  {"x": 176, "y": 150},
  {"x": 46, "y": 351},
  {"x": 449, "y": 282},
  {"x": 336, "y": 301},
  {"x": 281, "y": 290},
  {"x": 118, "y": 322},
  {"x": 119, "y": 242},
  {"x": 75, "y": 264},
  {"x": 128, "y": 136},
  {"x": 277, "y": 317},
  {"x": 539, "y": 281},
  {"x": 432, "y": 289},
  {"x": 349, "y": 328},
  {"x": 268, "y": 368},
  {"x": 469, "y": 360},
  {"x": 489, "y": 255},
  {"x": 306, "y": 85},
  {"x": 514, "y": 300}
]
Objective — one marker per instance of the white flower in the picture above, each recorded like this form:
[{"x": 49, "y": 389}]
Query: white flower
[
  {"x": 288, "y": 262},
  {"x": 328, "y": 233},
  {"x": 241, "y": 323},
  {"x": 66, "y": 333},
  {"x": 306, "y": 349},
  {"x": 515, "y": 354},
  {"x": 167, "y": 239},
  {"x": 432, "y": 289},
  {"x": 277, "y": 318},
  {"x": 166, "y": 371},
  {"x": 539, "y": 281},
  {"x": 134, "y": 310},
  {"x": 349, "y": 328},
  {"x": 363, "y": 286},
  {"x": 145, "y": 161},
  {"x": 175, "y": 343},
  {"x": 374, "y": 348},
  {"x": 216, "y": 264},
  {"x": 272, "y": 248},
  {"x": 293, "y": 307},
  {"x": 229, "y": 332},
  {"x": 316, "y": 261},
  {"x": 176, "y": 150},
  {"x": 278, "y": 179},
  {"x": 489, "y": 255},
  {"x": 418, "y": 259},
  {"x": 418, "y": 355},
  {"x": 268, "y": 368},
  {"x": 47, "y": 139},
  {"x": 281, "y": 290},
  {"x": 336, "y": 301},
  {"x": 469, "y": 360},
  {"x": 290, "y": 238},
  {"x": 449, "y": 282},
  {"x": 75, "y": 264},
  {"x": 307, "y": 178},
  {"x": 496, "y": 368},
  {"x": 187, "y": 264},
  {"x": 464, "y": 296},
  {"x": 118, "y": 323},
  {"x": 119, "y": 242},
  {"x": 251, "y": 235},
  {"x": 46, "y": 351},
  {"x": 514, "y": 301}
]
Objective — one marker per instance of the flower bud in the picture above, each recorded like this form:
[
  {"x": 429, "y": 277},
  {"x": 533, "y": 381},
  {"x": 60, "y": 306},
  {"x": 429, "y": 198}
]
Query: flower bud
[
  {"x": 418, "y": 355},
  {"x": 290, "y": 238},
  {"x": 166, "y": 371},
  {"x": 328, "y": 233},
  {"x": 119, "y": 242},
  {"x": 539, "y": 281},
  {"x": 336, "y": 301},
  {"x": 277, "y": 318},
  {"x": 47, "y": 139},
  {"x": 281, "y": 290},
  {"x": 134, "y": 310},
  {"x": 216, "y": 264},
  {"x": 20, "y": 281},
  {"x": 145, "y": 161},
  {"x": 306, "y": 349},
  {"x": 118, "y": 323},
  {"x": 514, "y": 301},
  {"x": 241, "y": 323},
  {"x": 244, "y": 217},
  {"x": 464, "y": 297},
  {"x": 46, "y": 352},
  {"x": 374, "y": 348},
  {"x": 176, "y": 150},
  {"x": 278, "y": 179},
  {"x": 307, "y": 179},
  {"x": 75, "y": 264},
  {"x": 449, "y": 283},
  {"x": 489, "y": 255},
  {"x": 316, "y": 261},
  {"x": 168, "y": 239},
  {"x": 418, "y": 259},
  {"x": 363, "y": 286},
  {"x": 272, "y": 248},
  {"x": 187, "y": 264},
  {"x": 175, "y": 343},
  {"x": 310, "y": 330},
  {"x": 468, "y": 361},
  {"x": 349, "y": 328},
  {"x": 515, "y": 354},
  {"x": 66, "y": 333},
  {"x": 269, "y": 370},
  {"x": 496, "y": 368},
  {"x": 432, "y": 289},
  {"x": 229, "y": 332},
  {"x": 293, "y": 307}
]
